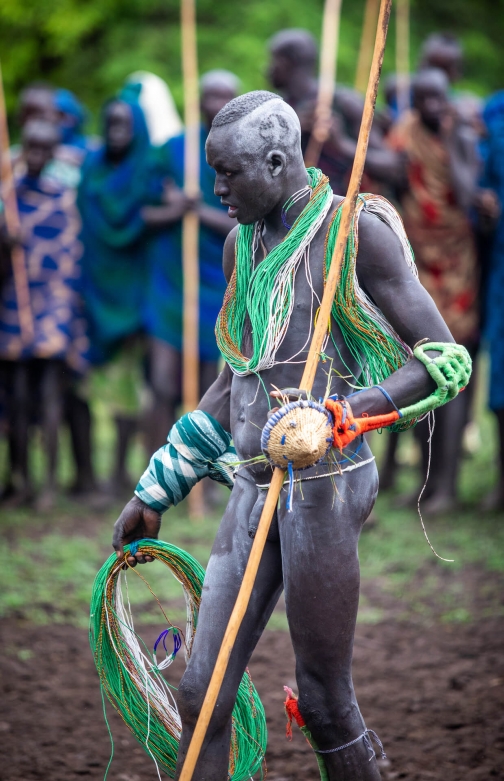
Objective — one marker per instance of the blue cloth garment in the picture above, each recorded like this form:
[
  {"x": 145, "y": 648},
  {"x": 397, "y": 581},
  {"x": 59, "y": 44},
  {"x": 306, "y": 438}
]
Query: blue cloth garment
[
  {"x": 197, "y": 447},
  {"x": 494, "y": 178},
  {"x": 163, "y": 315},
  {"x": 50, "y": 225}
]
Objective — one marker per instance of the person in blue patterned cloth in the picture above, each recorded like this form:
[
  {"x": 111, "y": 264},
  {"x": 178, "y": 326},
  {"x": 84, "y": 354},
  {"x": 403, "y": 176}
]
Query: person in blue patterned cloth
[
  {"x": 36, "y": 374},
  {"x": 163, "y": 316}
]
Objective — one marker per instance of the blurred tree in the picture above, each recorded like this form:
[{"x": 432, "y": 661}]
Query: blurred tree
[{"x": 89, "y": 46}]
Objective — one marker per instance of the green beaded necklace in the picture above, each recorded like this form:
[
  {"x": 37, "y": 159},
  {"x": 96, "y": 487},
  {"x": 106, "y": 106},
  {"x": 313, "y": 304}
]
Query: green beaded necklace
[{"x": 265, "y": 293}]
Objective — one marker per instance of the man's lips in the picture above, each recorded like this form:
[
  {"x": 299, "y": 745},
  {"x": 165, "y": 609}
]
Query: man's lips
[{"x": 232, "y": 210}]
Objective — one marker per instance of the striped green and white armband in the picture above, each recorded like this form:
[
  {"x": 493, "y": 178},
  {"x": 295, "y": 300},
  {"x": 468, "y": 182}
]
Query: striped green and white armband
[{"x": 198, "y": 446}]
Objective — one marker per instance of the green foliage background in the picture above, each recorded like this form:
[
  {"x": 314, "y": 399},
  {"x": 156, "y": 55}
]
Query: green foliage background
[{"x": 89, "y": 46}]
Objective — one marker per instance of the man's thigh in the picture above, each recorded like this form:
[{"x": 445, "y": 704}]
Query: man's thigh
[
  {"x": 319, "y": 541},
  {"x": 223, "y": 579}
]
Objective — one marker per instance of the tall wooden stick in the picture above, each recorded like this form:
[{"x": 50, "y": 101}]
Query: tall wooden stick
[
  {"x": 12, "y": 223},
  {"x": 366, "y": 44},
  {"x": 402, "y": 55},
  {"x": 319, "y": 333},
  {"x": 190, "y": 228},
  {"x": 327, "y": 81}
]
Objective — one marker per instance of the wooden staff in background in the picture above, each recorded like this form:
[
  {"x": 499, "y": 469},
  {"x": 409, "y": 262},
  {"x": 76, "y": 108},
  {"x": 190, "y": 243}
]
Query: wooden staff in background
[
  {"x": 13, "y": 225},
  {"x": 402, "y": 55},
  {"x": 327, "y": 81},
  {"x": 348, "y": 211},
  {"x": 366, "y": 44},
  {"x": 190, "y": 229}
]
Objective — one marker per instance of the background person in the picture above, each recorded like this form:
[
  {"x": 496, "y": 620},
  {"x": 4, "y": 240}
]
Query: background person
[
  {"x": 164, "y": 301},
  {"x": 36, "y": 375}
]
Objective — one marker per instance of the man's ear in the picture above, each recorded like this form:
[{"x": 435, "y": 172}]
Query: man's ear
[{"x": 276, "y": 161}]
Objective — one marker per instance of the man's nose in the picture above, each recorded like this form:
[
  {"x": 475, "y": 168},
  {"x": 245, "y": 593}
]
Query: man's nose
[{"x": 221, "y": 187}]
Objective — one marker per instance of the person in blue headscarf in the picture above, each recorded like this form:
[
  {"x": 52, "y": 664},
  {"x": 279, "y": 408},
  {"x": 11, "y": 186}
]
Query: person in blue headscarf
[
  {"x": 164, "y": 301},
  {"x": 114, "y": 189},
  {"x": 71, "y": 116}
]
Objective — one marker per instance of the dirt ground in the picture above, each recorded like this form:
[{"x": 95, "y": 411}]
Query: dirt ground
[{"x": 434, "y": 696}]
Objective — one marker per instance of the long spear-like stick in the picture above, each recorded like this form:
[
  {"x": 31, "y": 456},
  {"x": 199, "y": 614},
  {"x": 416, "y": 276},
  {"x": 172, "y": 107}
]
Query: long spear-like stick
[
  {"x": 366, "y": 44},
  {"x": 190, "y": 228},
  {"x": 402, "y": 55},
  {"x": 319, "y": 333},
  {"x": 327, "y": 80},
  {"x": 12, "y": 224}
]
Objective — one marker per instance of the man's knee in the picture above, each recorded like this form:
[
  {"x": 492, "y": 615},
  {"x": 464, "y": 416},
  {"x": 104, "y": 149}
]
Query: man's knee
[{"x": 190, "y": 696}]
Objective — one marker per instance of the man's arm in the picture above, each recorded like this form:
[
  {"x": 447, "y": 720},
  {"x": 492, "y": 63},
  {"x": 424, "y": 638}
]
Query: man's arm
[
  {"x": 216, "y": 401},
  {"x": 384, "y": 274},
  {"x": 461, "y": 143},
  {"x": 215, "y": 219}
]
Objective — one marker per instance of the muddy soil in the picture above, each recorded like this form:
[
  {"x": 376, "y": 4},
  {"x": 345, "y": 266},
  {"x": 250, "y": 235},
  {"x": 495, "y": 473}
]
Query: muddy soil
[{"x": 433, "y": 694}]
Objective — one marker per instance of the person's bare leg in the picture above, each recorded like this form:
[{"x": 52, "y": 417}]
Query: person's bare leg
[
  {"x": 319, "y": 541},
  {"x": 223, "y": 578},
  {"x": 18, "y": 488},
  {"x": 494, "y": 501},
  {"x": 165, "y": 384},
  {"x": 126, "y": 428},
  {"x": 51, "y": 397},
  {"x": 78, "y": 417},
  {"x": 390, "y": 467}
]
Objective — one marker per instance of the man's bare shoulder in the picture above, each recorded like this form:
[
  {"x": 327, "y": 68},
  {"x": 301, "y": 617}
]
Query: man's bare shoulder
[
  {"x": 228, "y": 256},
  {"x": 380, "y": 248}
]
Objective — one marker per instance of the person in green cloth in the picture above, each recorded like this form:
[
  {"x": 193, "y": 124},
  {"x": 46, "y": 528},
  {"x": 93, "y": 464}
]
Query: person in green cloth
[
  {"x": 113, "y": 190},
  {"x": 164, "y": 298}
]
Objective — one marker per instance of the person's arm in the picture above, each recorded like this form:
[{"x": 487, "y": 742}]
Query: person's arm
[
  {"x": 382, "y": 163},
  {"x": 176, "y": 204},
  {"x": 215, "y": 219},
  {"x": 460, "y": 142},
  {"x": 384, "y": 274}
]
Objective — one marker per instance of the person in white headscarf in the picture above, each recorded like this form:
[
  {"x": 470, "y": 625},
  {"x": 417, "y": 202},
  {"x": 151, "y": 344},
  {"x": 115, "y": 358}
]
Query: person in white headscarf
[{"x": 157, "y": 104}]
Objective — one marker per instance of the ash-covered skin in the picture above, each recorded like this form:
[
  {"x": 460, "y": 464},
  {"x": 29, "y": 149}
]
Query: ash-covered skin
[{"x": 312, "y": 553}]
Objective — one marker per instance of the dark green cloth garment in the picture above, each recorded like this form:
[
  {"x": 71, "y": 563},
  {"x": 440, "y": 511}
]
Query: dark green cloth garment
[{"x": 114, "y": 263}]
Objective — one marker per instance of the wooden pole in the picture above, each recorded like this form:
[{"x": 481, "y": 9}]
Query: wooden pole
[
  {"x": 327, "y": 81},
  {"x": 190, "y": 229},
  {"x": 319, "y": 333},
  {"x": 12, "y": 224},
  {"x": 402, "y": 55},
  {"x": 366, "y": 44}
]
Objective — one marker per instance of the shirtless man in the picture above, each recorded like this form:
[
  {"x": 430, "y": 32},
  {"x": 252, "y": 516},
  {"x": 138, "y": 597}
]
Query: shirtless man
[{"x": 254, "y": 147}]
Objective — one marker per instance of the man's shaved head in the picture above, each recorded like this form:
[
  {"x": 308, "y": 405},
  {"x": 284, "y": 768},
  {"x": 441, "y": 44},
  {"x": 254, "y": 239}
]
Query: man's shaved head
[
  {"x": 263, "y": 122},
  {"x": 297, "y": 45},
  {"x": 243, "y": 105},
  {"x": 430, "y": 78},
  {"x": 443, "y": 50}
]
